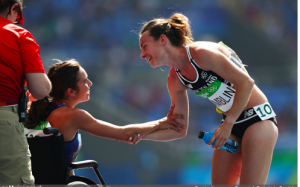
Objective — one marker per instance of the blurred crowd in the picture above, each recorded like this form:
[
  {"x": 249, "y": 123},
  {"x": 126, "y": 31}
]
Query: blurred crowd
[
  {"x": 277, "y": 19},
  {"x": 102, "y": 36}
]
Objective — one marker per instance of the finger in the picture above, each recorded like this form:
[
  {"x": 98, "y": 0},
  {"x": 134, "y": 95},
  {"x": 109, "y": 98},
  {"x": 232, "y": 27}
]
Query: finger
[
  {"x": 176, "y": 129},
  {"x": 129, "y": 141},
  {"x": 223, "y": 143},
  {"x": 211, "y": 141},
  {"x": 175, "y": 116},
  {"x": 138, "y": 139},
  {"x": 179, "y": 125},
  {"x": 171, "y": 110},
  {"x": 135, "y": 139},
  {"x": 220, "y": 143}
]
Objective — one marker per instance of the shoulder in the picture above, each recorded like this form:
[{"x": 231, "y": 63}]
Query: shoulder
[
  {"x": 77, "y": 114},
  {"x": 65, "y": 115},
  {"x": 70, "y": 120},
  {"x": 15, "y": 30},
  {"x": 205, "y": 54}
]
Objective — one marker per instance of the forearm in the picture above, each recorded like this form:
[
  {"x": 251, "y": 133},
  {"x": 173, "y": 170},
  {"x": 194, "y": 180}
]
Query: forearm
[
  {"x": 143, "y": 128},
  {"x": 163, "y": 135},
  {"x": 240, "y": 101}
]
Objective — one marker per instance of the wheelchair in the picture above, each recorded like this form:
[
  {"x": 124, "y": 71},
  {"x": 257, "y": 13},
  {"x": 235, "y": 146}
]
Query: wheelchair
[{"x": 49, "y": 163}]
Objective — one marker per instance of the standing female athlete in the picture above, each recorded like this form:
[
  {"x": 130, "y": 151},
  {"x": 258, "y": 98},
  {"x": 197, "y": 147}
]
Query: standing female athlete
[{"x": 214, "y": 71}]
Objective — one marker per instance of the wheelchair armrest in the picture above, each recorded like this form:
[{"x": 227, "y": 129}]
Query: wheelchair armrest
[
  {"x": 51, "y": 130},
  {"x": 84, "y": 164},
  {"x": 87, "y": 164}
]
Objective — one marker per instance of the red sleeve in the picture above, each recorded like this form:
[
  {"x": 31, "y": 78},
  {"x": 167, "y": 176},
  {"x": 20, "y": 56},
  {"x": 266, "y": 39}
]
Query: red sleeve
[{"x": 30, "y": 54}]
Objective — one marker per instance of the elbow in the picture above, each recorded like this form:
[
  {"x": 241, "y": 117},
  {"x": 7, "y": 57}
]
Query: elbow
[
  {"x": 38, "y": 95},
  {"x": 182, "y": 135},
  {"x": 41, "y": 93}
]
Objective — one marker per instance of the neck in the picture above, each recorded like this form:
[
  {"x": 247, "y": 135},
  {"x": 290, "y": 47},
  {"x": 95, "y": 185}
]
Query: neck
[
  {"x": 178, "y": 58},
  {"x": 4, "y": 13},
  {"x": 66, "y": 102}
]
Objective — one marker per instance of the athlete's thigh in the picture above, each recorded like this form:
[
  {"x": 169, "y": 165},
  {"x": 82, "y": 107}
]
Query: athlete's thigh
[
  {"x": 258, "y": 144},
  {"x": 226, "y": 167}
]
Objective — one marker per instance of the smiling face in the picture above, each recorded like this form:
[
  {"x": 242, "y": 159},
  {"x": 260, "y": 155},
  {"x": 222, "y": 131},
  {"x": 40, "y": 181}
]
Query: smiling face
[
  {"x": 151, "y": 49},
  {"x": 84, "y": 84}
]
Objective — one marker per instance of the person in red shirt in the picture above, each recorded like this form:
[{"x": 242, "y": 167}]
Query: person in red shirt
[{"x": 19, "y": 56}]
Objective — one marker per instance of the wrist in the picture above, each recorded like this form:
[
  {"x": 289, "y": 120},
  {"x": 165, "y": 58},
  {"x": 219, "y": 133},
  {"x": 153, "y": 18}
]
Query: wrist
[{"x": 229, "y": 121}]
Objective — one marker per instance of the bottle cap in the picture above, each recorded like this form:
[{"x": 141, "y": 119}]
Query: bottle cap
[{"x": 201, "y": 134}]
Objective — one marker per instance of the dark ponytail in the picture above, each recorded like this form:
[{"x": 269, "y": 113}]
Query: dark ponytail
[
  {"x": 177, "y": 29},
  {"x": 38, "y": 111},
  {"x": 63, "y": 75}
]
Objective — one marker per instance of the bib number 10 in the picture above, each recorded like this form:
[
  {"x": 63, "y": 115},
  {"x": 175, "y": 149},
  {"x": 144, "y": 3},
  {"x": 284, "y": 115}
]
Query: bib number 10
[{"x": 264, "y": 111}]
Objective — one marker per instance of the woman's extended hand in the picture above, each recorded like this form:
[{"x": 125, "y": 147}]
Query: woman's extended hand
[
  {"x": 221, "y": 135},
  {"x": 134, "y": 140},
  {"x": 165, "y": 123},
  {"x": 170, "y": 123}
]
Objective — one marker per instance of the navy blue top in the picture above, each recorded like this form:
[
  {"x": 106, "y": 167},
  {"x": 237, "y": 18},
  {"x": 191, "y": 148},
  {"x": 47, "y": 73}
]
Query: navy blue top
[{"x": 72, "y": 147}]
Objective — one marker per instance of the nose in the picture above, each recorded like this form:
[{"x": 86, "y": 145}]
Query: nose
[
  {"x": 142, "y": 55},
  {"x": 90, "y": 83}
]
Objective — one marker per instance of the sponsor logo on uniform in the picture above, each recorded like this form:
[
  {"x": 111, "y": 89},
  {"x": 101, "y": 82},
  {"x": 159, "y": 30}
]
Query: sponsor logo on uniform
[
  {"x": 248, "y": 113},
  {"x": 203, "y": 75},
  {"x": 211, "y": 79}
]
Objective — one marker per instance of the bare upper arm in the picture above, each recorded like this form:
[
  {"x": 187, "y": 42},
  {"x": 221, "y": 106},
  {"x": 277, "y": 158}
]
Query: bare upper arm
[
  {"x": 179, "y": 97},
  {"x": 83, "y": 120},
  {"x": 38, "y": 84}
]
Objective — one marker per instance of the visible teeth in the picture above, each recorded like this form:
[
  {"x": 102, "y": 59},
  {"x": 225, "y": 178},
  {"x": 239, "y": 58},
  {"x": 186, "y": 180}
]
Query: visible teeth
[{"x": 149, "y": 58}]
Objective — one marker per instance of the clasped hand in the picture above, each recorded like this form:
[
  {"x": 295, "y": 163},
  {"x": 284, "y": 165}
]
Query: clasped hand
[{"x": 166, "y": 123}]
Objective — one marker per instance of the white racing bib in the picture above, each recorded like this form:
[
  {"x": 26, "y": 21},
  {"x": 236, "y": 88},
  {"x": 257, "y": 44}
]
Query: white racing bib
[
  {"x": 264, "y": 111},
  {"x": 220, "y": 94}
]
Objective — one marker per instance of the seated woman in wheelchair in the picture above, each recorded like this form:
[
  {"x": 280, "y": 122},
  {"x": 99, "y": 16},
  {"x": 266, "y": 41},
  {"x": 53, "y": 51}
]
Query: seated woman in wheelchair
[{"x": 71, "y": 86}]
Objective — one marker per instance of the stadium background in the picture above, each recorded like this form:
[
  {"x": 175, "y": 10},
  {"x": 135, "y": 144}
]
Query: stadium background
[{"x": 102, "y": 36}]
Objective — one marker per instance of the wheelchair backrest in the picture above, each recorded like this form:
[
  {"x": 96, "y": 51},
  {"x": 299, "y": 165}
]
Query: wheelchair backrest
[{"x": 48, "y": 158}]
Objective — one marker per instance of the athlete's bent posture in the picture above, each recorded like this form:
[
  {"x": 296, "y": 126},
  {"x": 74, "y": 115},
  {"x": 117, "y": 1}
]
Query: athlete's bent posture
[{"x": 214, "y": 71}]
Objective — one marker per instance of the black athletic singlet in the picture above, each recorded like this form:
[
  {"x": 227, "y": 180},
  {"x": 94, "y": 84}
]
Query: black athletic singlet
[{"x": 210, "y": 85}]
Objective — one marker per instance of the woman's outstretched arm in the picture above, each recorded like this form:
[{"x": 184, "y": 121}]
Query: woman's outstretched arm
[{"x": 84, "y": 121}]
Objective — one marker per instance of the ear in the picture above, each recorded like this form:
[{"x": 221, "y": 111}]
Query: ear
[
  {"x": 163, "y": 39},
  {"x": 13, "y": 8},
  {"x": 70, "y": 92}
]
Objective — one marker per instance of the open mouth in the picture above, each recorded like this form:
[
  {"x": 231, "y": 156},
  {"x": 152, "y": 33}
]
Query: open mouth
[{"x": 149, "y": 58}]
